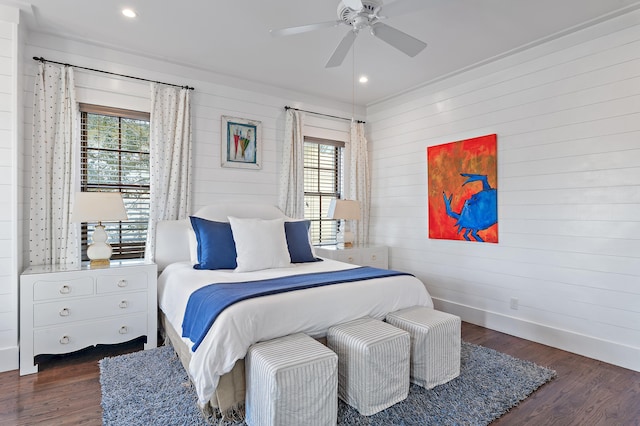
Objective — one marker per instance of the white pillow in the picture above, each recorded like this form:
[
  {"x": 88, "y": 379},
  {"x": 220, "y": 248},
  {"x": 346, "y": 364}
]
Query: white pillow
[
  {"x": 260, "y": 244},
  {"x": 193, "y": 246}
]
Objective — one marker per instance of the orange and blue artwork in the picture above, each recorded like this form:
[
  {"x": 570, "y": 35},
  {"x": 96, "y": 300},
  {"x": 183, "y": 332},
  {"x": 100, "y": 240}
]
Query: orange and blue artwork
[{"x": 463, "y": 190}]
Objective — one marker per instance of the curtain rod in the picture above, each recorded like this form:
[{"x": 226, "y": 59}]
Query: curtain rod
[
  {"x": 325, "y": 115},
  {"x": 41, "y": 59}
]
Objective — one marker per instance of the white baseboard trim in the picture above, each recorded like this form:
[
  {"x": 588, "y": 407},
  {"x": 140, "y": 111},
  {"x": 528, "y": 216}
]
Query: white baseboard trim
[
  {"x": 9, "y": 359},
  {"x": 591, "y": 347}
]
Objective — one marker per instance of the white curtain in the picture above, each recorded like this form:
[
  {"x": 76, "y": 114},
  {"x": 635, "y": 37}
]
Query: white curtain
[
  {"x": 55, "y": 147},
  {"x": 170, "y": 158},
  {"x": 359, "y": 181},
  {"x": 291, "y": 199}
]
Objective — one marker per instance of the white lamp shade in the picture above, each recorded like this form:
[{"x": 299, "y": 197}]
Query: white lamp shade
[
  {"x": 344, "y": 209},
  {"x": 98, "y": 207}
]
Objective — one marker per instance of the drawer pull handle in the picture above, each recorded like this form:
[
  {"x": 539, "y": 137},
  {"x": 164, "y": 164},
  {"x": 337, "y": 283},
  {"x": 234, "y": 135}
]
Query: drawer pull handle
[
  {"x": 65, "y": 289},
  {"x": 124, "y": 304},
  {"x": 373, "y": 257},
  {"x": 64, "y": 340},
  {"x": 350, "y": 259},
  {"x": 123, "y": 330},
  {"x": 64, "y": 312},
  {"x": 122, "y": 283}
]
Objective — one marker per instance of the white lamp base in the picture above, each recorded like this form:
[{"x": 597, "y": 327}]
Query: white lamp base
[
  {"x": 100, "y": 251},
  {"x": 345, "y": 239}
]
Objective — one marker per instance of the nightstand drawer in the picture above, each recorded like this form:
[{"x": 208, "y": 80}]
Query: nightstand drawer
[
  {"x": 66, "y": 311},
  {"x": 59, "y": 340},
  {"x": 374, "y": 256},
  {"x": 117, "y": 283},
  {"x": 349, "y": 256},
  {"x": 58, "y": 289}
]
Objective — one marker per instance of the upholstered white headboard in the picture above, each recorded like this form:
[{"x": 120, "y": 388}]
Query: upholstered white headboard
[{"x": 172, "y": 236}]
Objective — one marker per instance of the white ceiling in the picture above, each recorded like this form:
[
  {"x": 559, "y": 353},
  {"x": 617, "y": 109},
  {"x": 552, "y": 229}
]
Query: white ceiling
[{"x": 231, "y": 37}]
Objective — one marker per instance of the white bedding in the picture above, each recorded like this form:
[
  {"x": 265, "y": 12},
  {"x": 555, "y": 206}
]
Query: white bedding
[{"x": 310, "y": 311}]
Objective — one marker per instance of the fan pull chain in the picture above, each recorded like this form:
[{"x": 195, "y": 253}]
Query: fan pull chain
[{"x": 353, "y": 91}]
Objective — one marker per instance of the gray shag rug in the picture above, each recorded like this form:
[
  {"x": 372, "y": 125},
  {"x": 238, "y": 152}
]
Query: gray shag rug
[{"x": 151, "y": 387}]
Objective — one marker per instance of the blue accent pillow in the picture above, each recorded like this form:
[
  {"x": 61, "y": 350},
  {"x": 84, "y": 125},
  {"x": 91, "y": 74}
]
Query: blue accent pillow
[
  {"x": 297, "y": 234},
  {"x": 216, "y": 248}
]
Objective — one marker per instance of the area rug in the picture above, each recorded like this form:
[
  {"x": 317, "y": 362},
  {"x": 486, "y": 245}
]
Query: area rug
[{"x": 151, "y": 387}]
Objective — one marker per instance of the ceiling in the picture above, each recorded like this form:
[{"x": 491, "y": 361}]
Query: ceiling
[{"x": 231, "y": 37}]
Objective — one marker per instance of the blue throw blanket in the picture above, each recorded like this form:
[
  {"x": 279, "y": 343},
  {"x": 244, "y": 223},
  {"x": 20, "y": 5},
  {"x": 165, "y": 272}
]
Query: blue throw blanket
[{"x": 206, "y": 303}]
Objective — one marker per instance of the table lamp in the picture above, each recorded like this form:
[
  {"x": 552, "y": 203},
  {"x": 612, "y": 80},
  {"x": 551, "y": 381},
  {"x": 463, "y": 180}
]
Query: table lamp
[
  {"x": 344, "y": 210},
  {"x": 98, "y": 207}
]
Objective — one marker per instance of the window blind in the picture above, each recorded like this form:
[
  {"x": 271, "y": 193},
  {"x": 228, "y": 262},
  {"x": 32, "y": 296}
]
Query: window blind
[
  {"x": 114, "y": 156},
  {"x": 323, "y": 165}
]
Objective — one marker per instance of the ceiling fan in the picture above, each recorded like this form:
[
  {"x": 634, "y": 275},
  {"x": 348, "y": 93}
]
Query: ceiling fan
[{"x": 361, "y": 14}]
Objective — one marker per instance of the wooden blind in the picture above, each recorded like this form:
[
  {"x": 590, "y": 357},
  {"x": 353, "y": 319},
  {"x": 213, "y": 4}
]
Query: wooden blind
[{"x": 323, "y": 165}]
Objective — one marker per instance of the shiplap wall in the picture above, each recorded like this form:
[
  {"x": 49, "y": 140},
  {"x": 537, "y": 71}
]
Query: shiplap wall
[
  {"x": 567, "y": 116},
  {"x": 9, "y": 185}
]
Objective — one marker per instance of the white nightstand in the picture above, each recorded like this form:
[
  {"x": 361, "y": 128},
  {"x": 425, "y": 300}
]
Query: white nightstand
[
  {"x": 376, "y": 256},
  {"x": 63, "y": 310}
]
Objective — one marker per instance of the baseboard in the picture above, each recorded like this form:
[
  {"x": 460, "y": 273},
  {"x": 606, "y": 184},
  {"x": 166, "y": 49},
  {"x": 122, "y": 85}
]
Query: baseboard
[
  {"x": 603, "y": 350},
  {"x": 9, "y": 359}
]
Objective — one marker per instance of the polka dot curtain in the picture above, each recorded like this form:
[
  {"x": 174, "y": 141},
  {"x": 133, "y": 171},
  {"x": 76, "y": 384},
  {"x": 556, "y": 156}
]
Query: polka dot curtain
[
  {"x": 170, "y": 158},
  {"x": 291, "y": 198},
  {"x": 55, "y": 145},
  {"x": 359, "y": 180}
]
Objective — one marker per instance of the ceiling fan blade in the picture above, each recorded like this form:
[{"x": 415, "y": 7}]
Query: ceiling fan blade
[
  {"x": 396, "y": 38},
  {"x": 402, "y": 7},
  {"x": 341, "y": 51},
  {"x": 304, "y": 28},
  {"x": 353, "y": 4}
]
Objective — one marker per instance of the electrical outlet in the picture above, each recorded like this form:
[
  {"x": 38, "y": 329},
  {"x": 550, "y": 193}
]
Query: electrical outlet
[{"x": 514, "y": 303}]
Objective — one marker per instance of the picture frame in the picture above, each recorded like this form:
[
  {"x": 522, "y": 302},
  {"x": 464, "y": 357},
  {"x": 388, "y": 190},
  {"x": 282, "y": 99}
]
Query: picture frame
[
  {"x": 462, "y": 182},
  {"x": 241, "y": 145}
]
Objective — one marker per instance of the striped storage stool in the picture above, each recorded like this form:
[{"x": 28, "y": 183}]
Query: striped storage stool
[
  {"x": 435, "y": 344},
  {"x": 373, "y": 364},
  {"x": 292, "y": 380}
]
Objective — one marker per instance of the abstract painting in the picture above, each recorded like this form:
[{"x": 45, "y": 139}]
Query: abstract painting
[
  {"x": 463, "y": 190},
  {"x": 242, "y": 143}
]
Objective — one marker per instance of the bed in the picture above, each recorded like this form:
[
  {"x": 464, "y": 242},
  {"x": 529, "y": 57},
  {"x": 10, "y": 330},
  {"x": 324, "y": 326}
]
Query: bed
[{"x": 216, "y": 366}]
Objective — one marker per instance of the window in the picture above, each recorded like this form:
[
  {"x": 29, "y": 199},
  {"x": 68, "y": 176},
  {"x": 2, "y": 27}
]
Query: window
[
  {"x": 114, "y": 156},
  {"x": 323, "y": 165}
]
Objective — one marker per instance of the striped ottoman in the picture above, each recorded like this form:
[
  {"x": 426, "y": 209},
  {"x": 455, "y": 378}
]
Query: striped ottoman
[
  {"x": 291, "y": 380},
  {"x": 373, "y": 364},
  {"x": 435, "y": 344}
]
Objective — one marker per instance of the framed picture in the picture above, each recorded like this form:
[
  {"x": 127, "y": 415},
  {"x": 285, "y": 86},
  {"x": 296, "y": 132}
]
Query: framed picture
[
  {"x": 241, "y": 145},
  {"x": 463, "y": 190}
]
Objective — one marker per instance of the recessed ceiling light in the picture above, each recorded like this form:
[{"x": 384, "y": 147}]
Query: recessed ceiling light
[
  {"x": 129, "y": 13},
  {"x": 363, "y": 79}
]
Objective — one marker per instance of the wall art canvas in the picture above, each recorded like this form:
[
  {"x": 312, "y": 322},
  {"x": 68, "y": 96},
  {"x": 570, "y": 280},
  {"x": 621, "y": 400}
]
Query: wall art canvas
[
  {"x": 463, "y": 190},
  {"x": 241, "y": 145}
]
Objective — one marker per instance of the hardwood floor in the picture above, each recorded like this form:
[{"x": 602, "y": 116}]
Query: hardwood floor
[{"x": 586, "y": 392}]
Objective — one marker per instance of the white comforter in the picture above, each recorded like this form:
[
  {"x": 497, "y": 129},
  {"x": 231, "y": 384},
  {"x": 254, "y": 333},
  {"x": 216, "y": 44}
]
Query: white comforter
[{"x": 311, "y": 311}]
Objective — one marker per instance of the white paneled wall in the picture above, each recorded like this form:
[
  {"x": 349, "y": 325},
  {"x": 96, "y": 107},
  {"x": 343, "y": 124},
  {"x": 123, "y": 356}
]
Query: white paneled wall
[
  {"x": 567, "y": 116},
  {"x": 8, "y": 188},
  {"x": 8, "y": 313}
]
